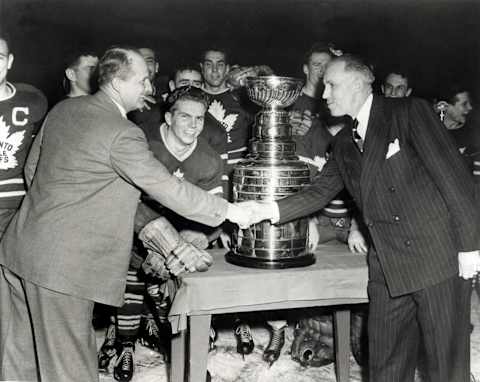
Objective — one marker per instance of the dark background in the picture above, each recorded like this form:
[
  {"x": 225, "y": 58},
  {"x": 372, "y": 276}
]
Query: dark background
[{"x": 438, "y": 40}]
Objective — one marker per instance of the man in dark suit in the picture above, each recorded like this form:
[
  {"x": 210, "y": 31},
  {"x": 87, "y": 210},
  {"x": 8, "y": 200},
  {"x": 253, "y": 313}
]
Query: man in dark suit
[
  {"x": 69, "y": 244},
  {"x": 417, "y": 200}
]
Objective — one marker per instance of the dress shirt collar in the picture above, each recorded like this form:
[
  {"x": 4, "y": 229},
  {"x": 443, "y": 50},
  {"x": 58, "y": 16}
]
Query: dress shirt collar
[
  {"x": 363, "y": 116},
  {"x": 121, "y": 108}
]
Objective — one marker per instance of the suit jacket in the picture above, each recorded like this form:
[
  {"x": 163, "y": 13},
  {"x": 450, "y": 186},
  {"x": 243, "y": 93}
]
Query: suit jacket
[
  {"x": 418, "y": 204},
  {"x": 73, "y": 232}
]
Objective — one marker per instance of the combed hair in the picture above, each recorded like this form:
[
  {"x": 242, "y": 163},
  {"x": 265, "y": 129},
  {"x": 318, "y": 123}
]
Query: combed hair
[
  {"x": 357, "y": 65},
  {"x": 189, "y": 93},
  {"x": 116, "y": 62},
  {"x": 5, "y": 38},
  {"x": 216, "y": 48},
  {"x": 73, "y": 59},
  {"x": 450, "y": 92},
  {"x": 318, "y": 47},
  {"x": 187, "y": 68},
  {"x": 402, "y": 72}
]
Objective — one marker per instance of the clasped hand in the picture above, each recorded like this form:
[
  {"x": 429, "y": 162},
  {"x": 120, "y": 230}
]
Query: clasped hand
[{"x": 250, "y": 212}]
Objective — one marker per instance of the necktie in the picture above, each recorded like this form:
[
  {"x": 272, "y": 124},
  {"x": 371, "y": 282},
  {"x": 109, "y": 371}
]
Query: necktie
[{"x": 356, "y": 137}]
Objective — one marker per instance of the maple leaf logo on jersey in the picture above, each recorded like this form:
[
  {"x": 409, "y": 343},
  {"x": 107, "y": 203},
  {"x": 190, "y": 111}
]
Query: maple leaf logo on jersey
[
  {"x": 178, "y": 173},
  {"x": 9, "y": 145},
  {"x": 217, "y": 110}
]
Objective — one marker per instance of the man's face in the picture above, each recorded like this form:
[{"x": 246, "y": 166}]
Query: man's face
[
  {"x": 214, "y": 68},
  {"x": 315, "y": 68},
  {"x": 339, "y": 89},
  {"x": 186, "y": 120},
  {"x": 396, "y": 86},
  {"x": 152, "y": 64},
  {"x": 6, "y": 60},
  {"x": 459, "y": 110},
  {"x": 133, "y": 90},
  {"x": 188, "y": 78},
  {"x": 83, "y": 72}
]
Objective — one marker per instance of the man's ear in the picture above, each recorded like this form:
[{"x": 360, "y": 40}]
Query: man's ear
[
  {"x": 168, "y": 118},
  {"x": 228, "y": 68},
  {"x": 70, "y": 74},
  {"x": 409, "y": 91},
  {"x": 171, "y": 85},
  {"x": 10, "y": 61},
  {"x": 305, "y": 69},
  {"x": 383, "y": 89},
  {"x": 156, "y": 67},
  {"x": 116, "y": 83}
]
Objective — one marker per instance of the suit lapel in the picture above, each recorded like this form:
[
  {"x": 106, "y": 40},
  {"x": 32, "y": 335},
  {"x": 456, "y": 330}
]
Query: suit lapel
[{"x": 375, "y": 147}]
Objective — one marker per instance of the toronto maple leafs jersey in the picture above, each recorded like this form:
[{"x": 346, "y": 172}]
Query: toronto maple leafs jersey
[
  {"x": 20, "y": 116},
  {"x": 203, "y": 167},
  {"x": 230, "y": 110},
  {"x": 312, "y": 149}
]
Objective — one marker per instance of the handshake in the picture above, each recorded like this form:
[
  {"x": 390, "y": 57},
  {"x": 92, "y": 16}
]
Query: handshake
[{"x": 250, "y": 212}]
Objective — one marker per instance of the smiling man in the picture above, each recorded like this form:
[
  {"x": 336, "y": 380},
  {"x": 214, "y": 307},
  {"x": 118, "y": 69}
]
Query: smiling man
[
  {"x": 69, "y": 245},
  {"x": 417, "y": 200}
]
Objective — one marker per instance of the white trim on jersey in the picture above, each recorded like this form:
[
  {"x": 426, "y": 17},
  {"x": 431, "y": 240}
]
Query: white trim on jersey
[
  {"x": 216, "y": 190},
  {"x": 12, "y": 181},
  {"x": 233, "y": 161},
  {"x": 9, "y": 194},
  {"x": 225, "y": 177},
  {"x": 244, "y": 148}
]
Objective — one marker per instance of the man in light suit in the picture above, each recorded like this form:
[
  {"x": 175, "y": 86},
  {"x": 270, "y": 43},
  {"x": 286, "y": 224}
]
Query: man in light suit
[
  {"x": 417, "y": 200},
  {"x": 69, "y": 244}
]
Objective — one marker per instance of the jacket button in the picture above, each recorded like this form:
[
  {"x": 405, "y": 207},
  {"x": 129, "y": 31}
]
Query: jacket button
[
  {"x": 370, "y": 224},
  {"x": 408, "y": 243},
  {"x": 396, "y": 218},
  {"x": 391, "y": 189}
]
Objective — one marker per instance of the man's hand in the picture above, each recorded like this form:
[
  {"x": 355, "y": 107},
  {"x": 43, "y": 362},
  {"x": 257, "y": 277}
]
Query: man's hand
[
  {"x": 468, "y": 264},
  {"x": 250, "y": 212},
  {"x": 356, "y": 242},
  {"x": 301, "y": 122},
  {"x": 146, "y": 101}
]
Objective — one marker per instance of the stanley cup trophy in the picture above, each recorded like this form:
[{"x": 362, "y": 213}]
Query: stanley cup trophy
[{"x": 270, "y": 172}]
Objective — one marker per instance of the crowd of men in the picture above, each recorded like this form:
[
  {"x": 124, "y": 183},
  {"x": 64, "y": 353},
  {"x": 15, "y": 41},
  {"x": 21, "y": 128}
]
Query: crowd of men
[{"x": 393, "y": 177}]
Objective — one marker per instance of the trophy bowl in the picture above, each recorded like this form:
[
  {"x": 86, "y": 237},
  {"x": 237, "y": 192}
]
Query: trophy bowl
[{"x": 273, "y": 91}]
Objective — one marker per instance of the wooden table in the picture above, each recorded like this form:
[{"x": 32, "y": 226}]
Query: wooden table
[{"x": 338, "y": 278}]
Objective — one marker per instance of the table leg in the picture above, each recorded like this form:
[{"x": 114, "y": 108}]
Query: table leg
[
  {"x": 342, "y": 345},
  {"x": 198, "y": 347},
  {"x": 177, "y": 364}
]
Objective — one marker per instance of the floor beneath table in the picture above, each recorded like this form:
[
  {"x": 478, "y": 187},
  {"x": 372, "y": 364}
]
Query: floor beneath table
[{"x": 226, "y": 365}]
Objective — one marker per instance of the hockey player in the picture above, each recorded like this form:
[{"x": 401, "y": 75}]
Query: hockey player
[
  {"x": 22, "y": 108},
  {"x": 189, "y": 157}
]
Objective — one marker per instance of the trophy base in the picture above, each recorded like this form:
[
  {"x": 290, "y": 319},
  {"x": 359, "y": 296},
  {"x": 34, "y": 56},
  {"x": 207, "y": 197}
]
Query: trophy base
[{"x": 256, "y": 262}]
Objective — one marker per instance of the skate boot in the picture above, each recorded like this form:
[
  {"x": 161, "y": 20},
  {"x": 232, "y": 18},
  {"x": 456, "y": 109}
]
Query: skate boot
[
  {"x": 274, "y": 348},
  {"x": 244, "y": 338},
  {"x": 123, "y": 370},
  {"x": 156, "y": 337},
  {"x": 108, "y": 349}
]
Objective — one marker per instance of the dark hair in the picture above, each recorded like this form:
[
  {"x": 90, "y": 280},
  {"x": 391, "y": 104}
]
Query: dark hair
[
  {"x": 356, "y": 64},
  {"x": 449, "y": 93},
  {"x": 402, "y": 72},
  {"x": 73, "y": 59},
  {"x": 187, "y": 93},
  {"x": 186, "y": 68},
  {"x": 116, "y": 62},
  {"x": 318, "y": 47},
  {"x": 216, "y": 48}
]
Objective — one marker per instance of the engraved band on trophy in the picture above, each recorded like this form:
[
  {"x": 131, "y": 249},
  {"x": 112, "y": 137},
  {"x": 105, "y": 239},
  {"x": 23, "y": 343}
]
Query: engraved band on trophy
[{"x": 271, "y": 171}]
